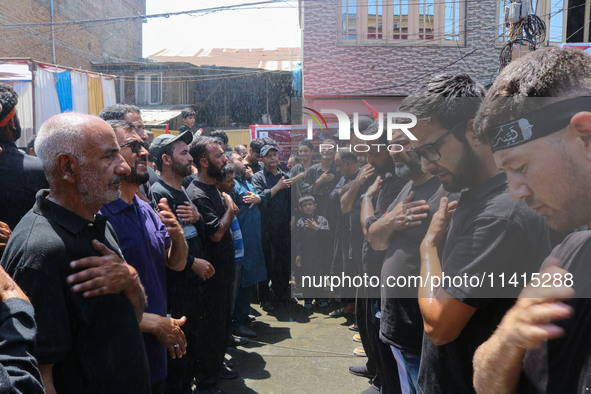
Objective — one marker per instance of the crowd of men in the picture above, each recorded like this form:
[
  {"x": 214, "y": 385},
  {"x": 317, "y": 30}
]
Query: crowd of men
[{"x": 139, "y": 277}]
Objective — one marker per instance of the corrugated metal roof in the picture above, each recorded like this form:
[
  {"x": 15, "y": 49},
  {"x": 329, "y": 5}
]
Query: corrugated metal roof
[{"x": 272, "y": 59}]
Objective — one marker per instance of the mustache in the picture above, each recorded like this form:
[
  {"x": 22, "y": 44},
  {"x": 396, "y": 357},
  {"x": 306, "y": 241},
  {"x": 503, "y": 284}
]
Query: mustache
[{"x": 116, "y": 179}]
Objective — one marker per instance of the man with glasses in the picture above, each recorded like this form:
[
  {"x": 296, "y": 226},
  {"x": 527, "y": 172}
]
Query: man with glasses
[
  {"x": 150, "y": 242},
  {"x": 131, "y": 114},
  {"x": 400, "y": 235},
  {"x": 489, "y": 233}
]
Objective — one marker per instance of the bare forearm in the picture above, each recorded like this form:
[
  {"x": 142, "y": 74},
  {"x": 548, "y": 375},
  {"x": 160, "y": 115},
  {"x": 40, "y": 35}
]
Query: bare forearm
[
  {"x": 46, "y": 371},
  {"x": 367, "y": 211},
  {"x": 348, "y": 199},
  {"x": 225, "y": 225},
  {"x": 136, "y": 295},
  {"x": 430, "y": 268},
  {"x": 177, "y": 255},
  {"x": 149, "y": 323},
  {"x": 299, "y": 177},
  {"x": 497, "y": 365},
  {"x": 380, "y": 232}
]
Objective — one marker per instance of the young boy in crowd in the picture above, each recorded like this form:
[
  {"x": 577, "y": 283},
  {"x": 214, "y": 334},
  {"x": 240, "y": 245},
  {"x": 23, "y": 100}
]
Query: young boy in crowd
[{"x": 311, "y": 234}]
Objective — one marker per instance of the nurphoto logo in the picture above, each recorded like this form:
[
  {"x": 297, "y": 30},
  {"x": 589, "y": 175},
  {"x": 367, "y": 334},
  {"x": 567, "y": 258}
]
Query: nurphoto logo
[{"x": 345, "y": 131}]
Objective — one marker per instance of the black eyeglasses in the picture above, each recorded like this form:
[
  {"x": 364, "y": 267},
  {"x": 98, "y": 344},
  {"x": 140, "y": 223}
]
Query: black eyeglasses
[
  {"x": 135, "y": 145},
  {"x": 429, "y": 150}
]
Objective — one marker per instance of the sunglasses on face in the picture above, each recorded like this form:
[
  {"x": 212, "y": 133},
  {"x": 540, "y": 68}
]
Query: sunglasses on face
[
  {"x": 429, "y": 150},
  {"x": 135, "y": 145}
]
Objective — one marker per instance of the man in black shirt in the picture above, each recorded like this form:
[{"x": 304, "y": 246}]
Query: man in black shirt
[
  {"x": 272, "y": 184},
  {"x": 22, "y": 175},
  {"x": 67, "y": 259},
  {"x": 217, "y": 214},
  {"x": 171, "y": 156},
  {"x": 399, "y": 232},
  {"x": 251, "y": 161},
  {"x": 543, "y": 343},
  {"x": 489, "y": 233},
  {"x": 384, "y": 189},
  {"x": 321, "y": 179}
]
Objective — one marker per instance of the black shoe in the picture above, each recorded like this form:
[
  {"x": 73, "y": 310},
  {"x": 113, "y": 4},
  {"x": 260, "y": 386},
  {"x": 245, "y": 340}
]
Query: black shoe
[
  {"x": 360, "y": 370},
  {"x": 267, "y": 306},
  {"x": 234, "y": 341},
  {"x": 243, "y": 331},
  {"x": 227, "y": 373}
]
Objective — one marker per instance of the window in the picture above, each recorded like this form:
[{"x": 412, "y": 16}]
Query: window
[
  {"x": 148, "y": 89},
  {"x": 566, "y": 20},
  {"x": 402, "y": 22}
]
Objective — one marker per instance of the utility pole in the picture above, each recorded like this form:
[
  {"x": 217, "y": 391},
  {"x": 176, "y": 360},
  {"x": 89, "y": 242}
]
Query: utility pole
[{"x": 52, "y": 34}]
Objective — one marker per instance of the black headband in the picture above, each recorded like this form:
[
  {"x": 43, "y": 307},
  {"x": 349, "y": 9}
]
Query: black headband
[{"x": 539, "y": 123}]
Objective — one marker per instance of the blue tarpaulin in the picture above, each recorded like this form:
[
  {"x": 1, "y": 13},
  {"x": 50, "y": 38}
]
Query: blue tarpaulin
[{"x": 63, "y": 85}]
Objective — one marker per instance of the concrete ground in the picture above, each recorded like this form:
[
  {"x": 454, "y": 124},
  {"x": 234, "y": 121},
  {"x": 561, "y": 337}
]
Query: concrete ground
[{"x": 297, "y": 351}]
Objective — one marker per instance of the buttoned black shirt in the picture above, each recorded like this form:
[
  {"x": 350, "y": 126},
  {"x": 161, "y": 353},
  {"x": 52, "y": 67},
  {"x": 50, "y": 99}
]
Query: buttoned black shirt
[{"x": 94, "y": 343}]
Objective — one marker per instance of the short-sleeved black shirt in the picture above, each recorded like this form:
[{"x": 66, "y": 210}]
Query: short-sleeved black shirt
[
  {"x": 391, "y": 186},
  {"x": 563, "y": 365},
  {"x": 22, "y": 176},
  {"x": 489, "y": 232},
  {"x": 220, "y": 254},
  {"x": 186, "y": 281},
  {"x": 401, "y": 324},
  {"x": 94, "y": 343}
]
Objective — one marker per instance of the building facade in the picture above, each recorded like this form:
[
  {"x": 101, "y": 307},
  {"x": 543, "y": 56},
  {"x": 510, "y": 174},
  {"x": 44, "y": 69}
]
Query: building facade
[
  {"x": 381, "y": 50},
  {"x": 76, "y": 45}
]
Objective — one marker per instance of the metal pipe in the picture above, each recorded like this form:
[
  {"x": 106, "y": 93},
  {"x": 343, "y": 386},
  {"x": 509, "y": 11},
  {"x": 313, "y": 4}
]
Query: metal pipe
[{"x": 52, "y": 34}]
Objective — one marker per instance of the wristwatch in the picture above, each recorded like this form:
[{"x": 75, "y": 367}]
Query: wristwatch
[{"x": 365, "y": 195}]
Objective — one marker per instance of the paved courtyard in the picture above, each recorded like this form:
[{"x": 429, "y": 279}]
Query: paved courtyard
[{"x": 297, "y": 351}]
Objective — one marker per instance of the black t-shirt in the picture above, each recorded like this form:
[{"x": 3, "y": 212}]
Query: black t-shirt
[
  {"x": 22, "y": 176},
  {"x": 94, "y": 343},
  {"x": 563, "y": 365},
  {"x": 372, "y": 260},
  {"x": 489, "y": 233},
  {"x": 220, "y": 254},
  {"x": 185, "y": 281},
  {"x": 401, "y": 324}
]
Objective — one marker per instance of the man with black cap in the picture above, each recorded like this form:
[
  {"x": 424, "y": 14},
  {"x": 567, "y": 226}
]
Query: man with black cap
[
  {"x": 272, "y": 184},
  {"x": 21, "y": 175},
  {"x": 171, "y": 156}
]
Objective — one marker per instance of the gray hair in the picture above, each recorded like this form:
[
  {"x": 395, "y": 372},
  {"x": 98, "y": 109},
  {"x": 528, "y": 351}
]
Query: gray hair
[
  {"x": 59, "y": 134},
  {"x": 118, "y": 111}
]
